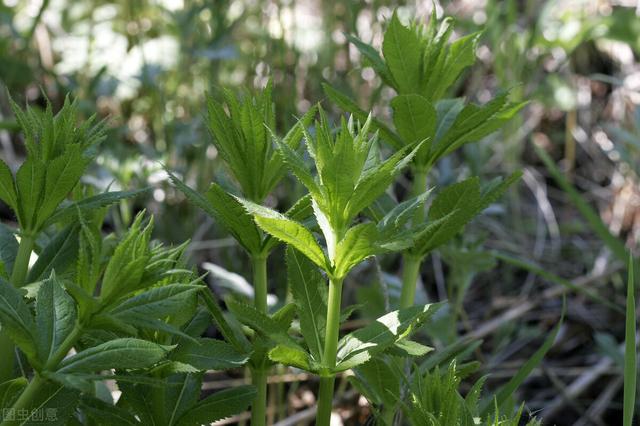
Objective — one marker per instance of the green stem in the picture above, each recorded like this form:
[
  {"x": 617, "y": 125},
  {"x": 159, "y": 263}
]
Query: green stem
[
  {"x": 412, "y": 263},
  {"x": 64, "y": 348},
  {"x": 260, "y": 373},
  {"x": 410, "y": 274},
  {"x": 259, "y": 264},
  {"x": 21, "y": 264},
  {"x": 26, "y": 397},
  {"x": 325, "y": 401},
  {"x": 259, "y": 407},
  {"x": 325, "y": 396}
]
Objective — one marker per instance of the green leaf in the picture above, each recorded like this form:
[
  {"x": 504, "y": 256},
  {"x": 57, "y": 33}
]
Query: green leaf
[
  {"x": 58, "y": 255},
  {"x": 380, "y": 380},
  {"x": 90, "y": 204},
  {"x": 159, "y": 302},
  {"x": 208, "y": 354},
  {"x": 218, "y": 406},
  {"x": 402, "y": 52},
  {"x": 377, "y": 179},
  {"x": 123, "y": 353},
  {"x": 182, "y": 393},
  {"x": 473, "y": 123},
  {"x": 258, "y": 321},
  {"x": 62, "y": 175},
  {"x": 415, "y": 119},
  {"x": 11, "y": 390},
  {"x": 227, "y": 210},
  {"x": 30, "y": 184},
  {"x": 358, "y": 244},
  {"x": 406, "y": 348},
  {"x": 8, "y": 248},
  {"x": 16, "y": 319},
  {"x": 309, "y": 292},
  {"x": 360, "y": 346},
  {"x": 374, "y": 58},
  {"x": 56, "y": 317},
  {"x": 288, "y": 231},
  {"x": 297, "y": 166},
  {"x": 7, "y": 187},
  {"x": 231, "y": 334},
  {"x": 54, "y": 403},
  {"x": 346, "y": 104},
  {"x": 294, "y": 357},
  {"x": 104, "y": 413},
  {"x": 630, "y": 354}
]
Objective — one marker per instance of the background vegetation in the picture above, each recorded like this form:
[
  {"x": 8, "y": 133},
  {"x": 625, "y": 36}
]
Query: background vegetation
[{"x": 147, "y": 65}]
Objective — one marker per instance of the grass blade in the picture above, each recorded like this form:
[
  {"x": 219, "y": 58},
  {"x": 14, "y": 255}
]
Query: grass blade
[{"x": 630, "y": 357}]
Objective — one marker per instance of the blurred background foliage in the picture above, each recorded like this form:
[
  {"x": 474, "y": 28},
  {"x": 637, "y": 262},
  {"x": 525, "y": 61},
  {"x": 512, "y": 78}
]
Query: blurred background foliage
[{"x": 147, "y": 64}]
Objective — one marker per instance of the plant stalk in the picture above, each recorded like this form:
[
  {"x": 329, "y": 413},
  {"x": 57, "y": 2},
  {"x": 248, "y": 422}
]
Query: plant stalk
[
  {"x": 410, "y": 274},
  {"x": 332, "y": 333},
  {"x": 259, "y": 407},
  {"x": 259, "y": 374},
  {"x": 412, "y": 263},
  {"x": 26, "y": 397},
  {"x": 21, "y": 264}
]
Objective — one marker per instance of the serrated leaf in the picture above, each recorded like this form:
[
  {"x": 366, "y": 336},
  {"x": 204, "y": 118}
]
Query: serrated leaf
[
  {"x": 258, "y": 321},
  {"x": 123, "y": 353},
  {"x": 374, "y": 58},
  {"x": 372, "y": 184},
  {"x": 358, "y": 244},
  {"x": 208, "y": 354},
  {"x": 291, "y": 356},
  {"x": 89, "y": 204},
  {"x": 218, "y": 406},
  {"x": 288, "y": 231},
  {"x": 402, "y": 53},
  {"x": 56, "y": 317},
  {"x": 158, "y": 302},
  {"x": 309, "y": 292},
  {"x": 30, "y": 185},
  {"x": 8, "y": 248},
  {"x": 346, "y": 104},
  {"x": 58, "y": 255},
  {"x": 225, "y": 209},
  {"x": 361, "y": 345},
  {"x": 414, "y": 117},
  {"x": 182, "y": 393},
  {"x": 16, "y": 319},
  {"x": 102, "y": 413},
  {"x": 62, "y": 175},
  {"x": 380, "y": 380},
  {"x": 231, "y": 333},
  {"x": 7, "y": 187}
]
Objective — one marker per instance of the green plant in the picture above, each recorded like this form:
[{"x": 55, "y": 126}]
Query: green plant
[
  {"x": 242, "y": 136},
  {"x": 350, "y": 176},
  {"x": 126, "y": 305},
  {"x": 420, "y": 66}
]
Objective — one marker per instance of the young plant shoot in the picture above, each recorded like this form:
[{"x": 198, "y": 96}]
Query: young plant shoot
[
  {"x": 350, "y": 176},
  {"x": 241, "y": 134},
  {"x": 419, "y": 64}
]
